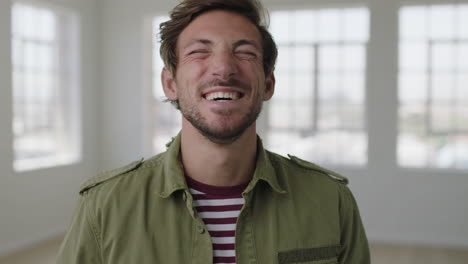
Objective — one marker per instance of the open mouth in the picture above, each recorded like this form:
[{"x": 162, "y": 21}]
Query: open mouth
[{"x": 223, "y": 96}]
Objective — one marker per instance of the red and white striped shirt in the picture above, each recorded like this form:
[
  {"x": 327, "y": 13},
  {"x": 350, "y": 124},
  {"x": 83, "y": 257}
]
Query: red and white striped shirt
[{"x": 219, "y": 208}]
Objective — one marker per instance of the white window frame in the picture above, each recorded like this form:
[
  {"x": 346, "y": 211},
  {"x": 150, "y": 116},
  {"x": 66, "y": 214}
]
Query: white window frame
[
  {"x": 67, "y": 114},
  {"x": 316, "y": 109},
  {"x": 429, "y": 73}
]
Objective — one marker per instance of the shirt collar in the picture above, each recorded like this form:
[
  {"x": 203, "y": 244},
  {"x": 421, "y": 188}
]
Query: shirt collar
[{"x": 171, "y": 178}]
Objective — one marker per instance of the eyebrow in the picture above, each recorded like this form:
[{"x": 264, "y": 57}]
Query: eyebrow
[
  {"x": 236, "y": 44},
  {"x": 194, "y": 41},
  {"x": 246, "y": 42}
]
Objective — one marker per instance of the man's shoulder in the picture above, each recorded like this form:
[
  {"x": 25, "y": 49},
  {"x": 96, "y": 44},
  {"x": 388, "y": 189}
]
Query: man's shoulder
[
  {"x": 127, "y": 171},
  {"x": 294, "y": 165}
]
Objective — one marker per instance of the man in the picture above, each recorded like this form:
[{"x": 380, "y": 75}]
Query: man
[{"x": 216, "y": 195}]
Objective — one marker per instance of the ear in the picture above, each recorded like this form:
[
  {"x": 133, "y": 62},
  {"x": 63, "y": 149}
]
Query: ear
[
  {"x": 269, "y": 87},
  {"x": 169, "y": 84}
]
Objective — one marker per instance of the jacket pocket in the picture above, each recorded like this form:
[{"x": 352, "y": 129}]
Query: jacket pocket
[{"x": 320, "y": 255}]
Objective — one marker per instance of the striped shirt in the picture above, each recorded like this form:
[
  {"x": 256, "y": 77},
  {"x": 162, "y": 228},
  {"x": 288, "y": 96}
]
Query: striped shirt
[{"x": 219, "y": 208}]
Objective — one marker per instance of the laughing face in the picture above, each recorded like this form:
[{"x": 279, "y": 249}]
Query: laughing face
[{"x": 219, "y": 81}]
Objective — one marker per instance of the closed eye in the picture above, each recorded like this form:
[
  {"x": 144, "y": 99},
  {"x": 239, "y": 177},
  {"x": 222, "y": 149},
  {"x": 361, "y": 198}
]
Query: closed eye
[
  {"x": 197, "y": 51},
  {"x": 243, "y": 54}
]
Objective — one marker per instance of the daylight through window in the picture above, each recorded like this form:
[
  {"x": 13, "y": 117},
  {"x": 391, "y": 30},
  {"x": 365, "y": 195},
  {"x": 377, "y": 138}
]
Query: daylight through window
[
  {"x": 318, "y": 110},
  {"x": 167, "y": 121},
  {"x": 45, "y": 87},
  {"x": 433, "y": 91}
]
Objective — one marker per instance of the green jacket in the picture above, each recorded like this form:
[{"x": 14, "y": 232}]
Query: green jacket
[{"x": 294, "y": 212}]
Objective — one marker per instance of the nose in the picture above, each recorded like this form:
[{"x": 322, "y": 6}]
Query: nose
[{"x": 223, "y": 64}]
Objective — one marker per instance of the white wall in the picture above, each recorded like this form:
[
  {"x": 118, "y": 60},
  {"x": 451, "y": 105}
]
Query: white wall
[
  {"x": 125, "y": 68},
  {"x": 38, "y": 204},
  {"x": 397, "y": 205}
]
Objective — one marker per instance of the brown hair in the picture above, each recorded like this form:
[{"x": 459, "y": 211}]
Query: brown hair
[{"x": 187, "y": 10}]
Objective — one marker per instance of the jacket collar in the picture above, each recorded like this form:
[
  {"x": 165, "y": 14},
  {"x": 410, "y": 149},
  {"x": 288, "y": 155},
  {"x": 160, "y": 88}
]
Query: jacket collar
[
  {"x": 170, "y": 171},
  {"x": 264, "y": 171},
  {"x": 171, "y": 178}
]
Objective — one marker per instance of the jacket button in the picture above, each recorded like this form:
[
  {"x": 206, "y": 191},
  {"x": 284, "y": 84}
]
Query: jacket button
[{"x": 200, "y": 229}]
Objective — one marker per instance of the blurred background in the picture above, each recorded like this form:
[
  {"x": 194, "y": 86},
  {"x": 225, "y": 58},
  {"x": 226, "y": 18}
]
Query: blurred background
[{"x": 374, "y": 89}]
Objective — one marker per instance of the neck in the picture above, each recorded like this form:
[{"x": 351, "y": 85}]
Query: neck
[{"x": 218, "y": 164}]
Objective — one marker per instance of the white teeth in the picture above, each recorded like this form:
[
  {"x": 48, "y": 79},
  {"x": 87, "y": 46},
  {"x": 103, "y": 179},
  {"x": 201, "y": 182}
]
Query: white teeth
[{"x": 222, "y": 96}]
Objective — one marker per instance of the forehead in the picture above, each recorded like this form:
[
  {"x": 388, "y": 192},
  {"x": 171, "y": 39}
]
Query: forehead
[{"x": 219, "y": 25}]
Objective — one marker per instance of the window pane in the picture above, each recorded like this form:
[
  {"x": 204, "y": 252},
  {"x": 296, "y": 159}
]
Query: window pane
[
  {"x": 442, "y": 22},
  {"x": 462, "y": 20},
  {"x": 330, "y": 59},
  {"x": 330, "y": 92},
  {"x": 280, "y": 26},
  {"x": 354, "y": 58},
  {"x": 352, "y": 116},
  {"x": 303, "y": 59},
  {"x": 442, "y": 88},
  {"x": 330, "y": 89},
  {"x": 47, "y": 25},
  {"x": 305, "y": 30},
  {"x": 443, "y": 99},
  {"x": 329, "y": 25},
  {"x": 356, "y": 24},
  {"x": 304, "y": 86},
  {"x": 443, "y": 57},
  {"x": 318, "y": 128},
  {"x": 413, "y": 120},
  {"x": 441, "y": 118},
  {"x": 284, "y": 63},
  {"x": 412, "y": 88},
  {"x": 353, "y": 88},
  {"x": 461, "y": 118},
  {"x": 283, "y": 86},
  {"x": 45, "y": 122},
  {"x": 413, "y": 150},
  {"x": 431, "y": 90},
  {"x": 302, "y": 114},
  {"x": 413, "y": 56},
  {"x": 462, "y": 58},
  {"x": 413, "y": 23},
  {"x": 280, "y": 115},
  {"x": 462, "y": 87}
]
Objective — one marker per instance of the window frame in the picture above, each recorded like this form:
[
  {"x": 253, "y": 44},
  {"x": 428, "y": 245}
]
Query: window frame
[
  {"x": 429, "y": 73},
  {"x": 314, "y": 128},
  {"x": 66, "y": 124}
]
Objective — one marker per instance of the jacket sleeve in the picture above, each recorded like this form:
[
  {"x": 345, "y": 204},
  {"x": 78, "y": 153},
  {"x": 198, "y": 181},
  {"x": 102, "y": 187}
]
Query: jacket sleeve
[
  {"x": 81, "y": 243},
  {"x": 354, "y": 245}
]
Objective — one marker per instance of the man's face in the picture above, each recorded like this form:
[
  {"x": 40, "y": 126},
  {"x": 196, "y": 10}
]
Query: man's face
[{"x": 219, "y": 82}]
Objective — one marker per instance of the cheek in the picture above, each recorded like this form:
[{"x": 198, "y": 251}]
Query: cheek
[
  {"x": 193, "y": 67},
  {"x": 258, "y": 76},
  {"x": 257, "y": 69},
  {"x": 188, "y": 75}
]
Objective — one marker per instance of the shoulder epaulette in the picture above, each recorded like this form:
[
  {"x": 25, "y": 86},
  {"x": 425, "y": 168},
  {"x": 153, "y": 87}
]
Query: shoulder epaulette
[
  {"x": 312, "y": 166},
  {"x": 102, "y": 177},
  {"x": 169, "y": 143}
]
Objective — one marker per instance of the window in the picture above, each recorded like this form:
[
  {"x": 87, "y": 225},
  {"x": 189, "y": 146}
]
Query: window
[
  {"x": 45, "y": 87},
  {"x": 168, "y": 121},
  {"x": 318, "y": 110},
  {"x": 433, "y": 91}
]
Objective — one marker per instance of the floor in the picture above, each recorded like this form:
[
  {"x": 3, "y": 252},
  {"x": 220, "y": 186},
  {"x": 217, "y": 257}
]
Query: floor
[
  {"x": 400, "y": 254},
  {"x": 44, "y": 253}
]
